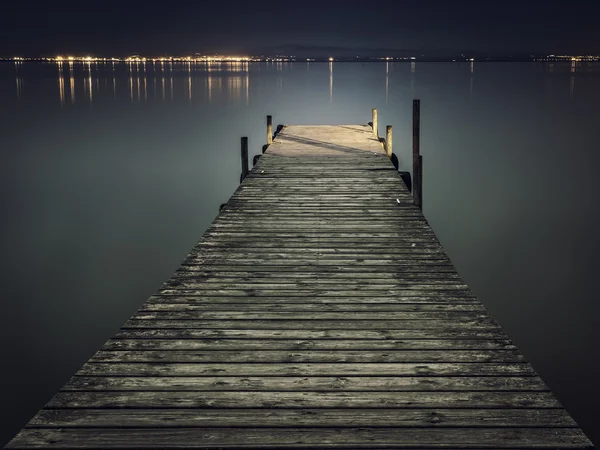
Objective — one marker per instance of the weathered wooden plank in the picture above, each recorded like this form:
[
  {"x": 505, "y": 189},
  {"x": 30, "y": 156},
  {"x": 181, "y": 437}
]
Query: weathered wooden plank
[
  {"x": 338, "y": 223},
  {"x": 292, "y": 324},
  {"x": 259, "y": 291},
  {"x": 308, "y": 369},
  {"x": 331, "y": 265},
  {"x": 190, "y": 281},
  {"x": 304, "y": 334},
  {"x": 341, "y": 278},
  {"x": 319, "y": 289},
  {"x": 302, "y": 215},
  {"x": 404, "y": 228},
  {"x": 298, "y": 258},
  {"x": 265, "y": 245},
  {"x": 418, "y": 295},
  {"x": 313, "y": 237},
  {"x": 156, "y": 305},
  {"x": 327, "y": 279},
  {"x": 199, "y": 273},
  {"x": 314, "y": 418},
  {"x": 374, "y": 253},
  {"x": 315, "y": 384},
  {"x": 310, "y": 242},
  {"x": 430, "y": 279},
  {"x": 299, "y": 344},
  {"x": 309, "y": 356},
  {"x": 463, "y": 316},
  {"x": 315, "y": 263},
  {"x": 361, "y": 272},
  {"x": 303, "y": 399},
  {"x": 434, "y": 297},
  {"x": 326, "y": 236},
  {"x": 389, "y": 438}
]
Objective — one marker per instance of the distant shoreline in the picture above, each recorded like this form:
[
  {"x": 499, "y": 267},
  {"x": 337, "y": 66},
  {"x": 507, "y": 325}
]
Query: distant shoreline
[{"x": 296, "y": 60}]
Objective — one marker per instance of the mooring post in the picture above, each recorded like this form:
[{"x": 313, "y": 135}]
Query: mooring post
[
  {"x": 374, "y": 122},
  {"x": 244, "y": 158},
  {"x": 417, "y": 158},
  {"x": 388, "y": 141},
  {"x": 419, "y": 190},
  {"x": 269, "y": 130}
]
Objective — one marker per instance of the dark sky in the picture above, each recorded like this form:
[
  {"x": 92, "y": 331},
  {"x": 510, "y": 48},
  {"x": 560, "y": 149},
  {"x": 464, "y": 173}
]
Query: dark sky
[{"x": 326, "y": 27}]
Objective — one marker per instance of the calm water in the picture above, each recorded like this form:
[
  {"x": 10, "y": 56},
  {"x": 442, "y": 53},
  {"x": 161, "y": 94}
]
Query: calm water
[{"x": 109, "y": 175}]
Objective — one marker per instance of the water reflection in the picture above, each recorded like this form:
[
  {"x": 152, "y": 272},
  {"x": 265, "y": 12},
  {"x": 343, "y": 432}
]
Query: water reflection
[
  {"x": 90, "y": 85},
  {"x": 387, "y": 80},
  {"x": 472, "y": 71},
  {"x": 247, "y": 78},
  {"x": 190, "y": 82},
  {"x": 130, "y": 84},
  {"x": 209, "y": 82},
  {"x": 572, "y": 86},
  {"x": 173, "y": 82},
  {"x": 61, "y": 83},
  {"x": 141, "y": 80},
  {"x": 330, "y": 81},
  {"x": 72, "y": 82},
  {"x": 572, "y": 78},
  {"x": 19, "y": 80},
  {"x": 234, "y": 86}
]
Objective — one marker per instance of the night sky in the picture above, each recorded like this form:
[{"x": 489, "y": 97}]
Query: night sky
[{"x": 300, "y": 28}]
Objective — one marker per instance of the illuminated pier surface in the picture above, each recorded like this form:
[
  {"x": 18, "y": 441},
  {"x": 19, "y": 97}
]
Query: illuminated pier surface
[{"x": 318, "y": 310}]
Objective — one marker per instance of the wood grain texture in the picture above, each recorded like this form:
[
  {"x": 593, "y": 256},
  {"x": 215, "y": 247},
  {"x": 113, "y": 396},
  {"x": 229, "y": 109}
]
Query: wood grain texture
[
  {"x": 358, "y": 437},
  {"x": 318, "y": 310},
  {"x": 318, "y": 418}
]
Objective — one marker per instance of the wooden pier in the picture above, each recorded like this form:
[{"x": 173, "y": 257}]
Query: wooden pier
[{"x": 317, "y": 311}]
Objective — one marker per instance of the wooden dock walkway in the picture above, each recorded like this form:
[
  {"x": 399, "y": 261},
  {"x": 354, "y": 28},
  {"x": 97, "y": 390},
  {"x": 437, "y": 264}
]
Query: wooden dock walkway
[{"x": 318, "y": 311}]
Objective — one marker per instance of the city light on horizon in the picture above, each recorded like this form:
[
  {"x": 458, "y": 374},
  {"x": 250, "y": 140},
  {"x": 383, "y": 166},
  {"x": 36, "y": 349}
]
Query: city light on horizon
[{"x": 215, "y": 58}]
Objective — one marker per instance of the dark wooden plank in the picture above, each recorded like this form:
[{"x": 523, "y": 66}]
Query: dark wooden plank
[
  {"x": 314, "y": 418},
  {"x": 316, "y": 278},
  {"x": 389, "y": 438},
  {"x": 310, "y": 315},
  {"x": 158, "y": 304},
  {"x": 487, "y": 324},
  {"x": 306, "y": 356},
  {"x": 303, "y": 399},
  {"x": 361, "y": 271},
  {"x": 184, "y": 281},
  {"x": 315, "y": 384},
  {"x": 408, "y": 297},
  {"x": 307, "y": 369},
  {"x": 370, "y": 294},
  {"x": 303, "y": 334},
  {"x": 298, "y": 344}
]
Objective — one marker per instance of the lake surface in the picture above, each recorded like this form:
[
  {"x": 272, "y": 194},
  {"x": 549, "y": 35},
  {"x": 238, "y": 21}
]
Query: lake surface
[{"x": 109, "y": 174}]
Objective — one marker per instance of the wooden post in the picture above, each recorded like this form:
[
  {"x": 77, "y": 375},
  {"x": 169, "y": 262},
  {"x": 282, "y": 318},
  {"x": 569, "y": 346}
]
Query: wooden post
[
  {"x": 244, "y": 158},
  {"x": 269, "y": 130},
  {"x": 388, "y": 141},
  {"x": 375, "y": 129},
  {"x": 418, "y": 184},
  {"x": 417, "y": 158}
]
